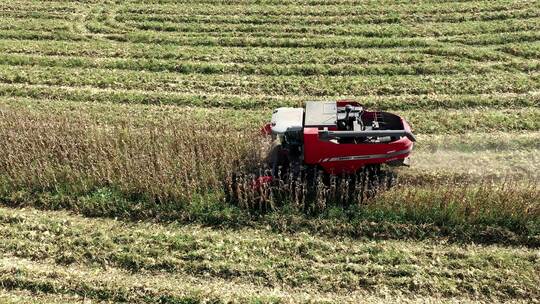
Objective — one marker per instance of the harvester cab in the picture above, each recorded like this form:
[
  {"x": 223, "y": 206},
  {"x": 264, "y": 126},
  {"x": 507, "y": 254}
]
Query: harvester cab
[{"x": 336, "y": 137}]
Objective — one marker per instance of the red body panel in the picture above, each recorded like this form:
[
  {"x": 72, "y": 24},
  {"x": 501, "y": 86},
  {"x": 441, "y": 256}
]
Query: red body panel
[
  {"x": 336, "y": 158},
  {"x": 266, "y": 129}
]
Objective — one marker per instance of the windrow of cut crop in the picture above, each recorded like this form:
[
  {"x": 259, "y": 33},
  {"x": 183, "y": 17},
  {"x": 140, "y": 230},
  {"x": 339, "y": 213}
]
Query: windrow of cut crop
[
  {"x": 277, "y": 56},
  {"x": 523, "y": 50},
  {"x": 42, "y": 35},
  {"x": 330, "y": 9},
  {"x": 348, "y": 17},
  {"x": 426, "y": 30},
  {"x": 422, "y": 115},
  {"x": 461, "y": 83},
  {"x": 105, "y": 259},
  {"x": 34, "y": 24},
  {"x": 428, "y": 67}
]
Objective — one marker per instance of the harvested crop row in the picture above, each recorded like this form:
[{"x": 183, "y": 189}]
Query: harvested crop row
[
  {"x": 226, "y": 55},
  {"x": 291, "y": 2},
  {"x": 265, "y": 55},
  {"x": 349, "y": 59},
  {"x": 29, "y": 24},
  {"x": 318, "y": 42},
  {"x": 426, "y": 30},
  {"x": 436, "y": 121},
  {"x": 42, "y": 35},
  {"x": 428, "y": 67},
  {"x": 495, "y": 39},
  {"x": 38, "y": 15},
  {"x": 524, "y": 50},
  {"x": 28, "y": 297},
  {"x": 35, "y": 6},
  {"x": 304, "y": 19},
  {"x": 488, "y": 83},
  {"x": 465, "y": 52},
  {"x": 190, "y": 35},
  {"x": 248, "y": 258},
  {"x": 263, "y": 102},
  {"x": 328, "y": 10},
  {"x": 240, "y": 41}
]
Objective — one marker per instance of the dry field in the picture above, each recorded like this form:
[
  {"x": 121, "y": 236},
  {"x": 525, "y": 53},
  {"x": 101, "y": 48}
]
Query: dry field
[{"x": 121, "y": 122}]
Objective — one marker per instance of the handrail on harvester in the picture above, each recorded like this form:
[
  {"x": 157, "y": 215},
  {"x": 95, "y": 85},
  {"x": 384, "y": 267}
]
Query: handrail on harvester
[{"x": 325, "y": 134}]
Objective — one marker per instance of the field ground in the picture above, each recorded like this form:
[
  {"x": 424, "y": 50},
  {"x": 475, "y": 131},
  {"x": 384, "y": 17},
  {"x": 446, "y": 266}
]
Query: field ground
[
  {"x": 121, "y": 120},
  {"x": 57, "y": 256}
]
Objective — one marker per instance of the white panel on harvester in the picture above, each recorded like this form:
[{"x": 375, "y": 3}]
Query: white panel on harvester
[{"x": 320, "y": 114}]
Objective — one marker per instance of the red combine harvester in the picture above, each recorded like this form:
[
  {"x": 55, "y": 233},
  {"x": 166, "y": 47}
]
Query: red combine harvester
[{"x": 339, "y": 138}]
